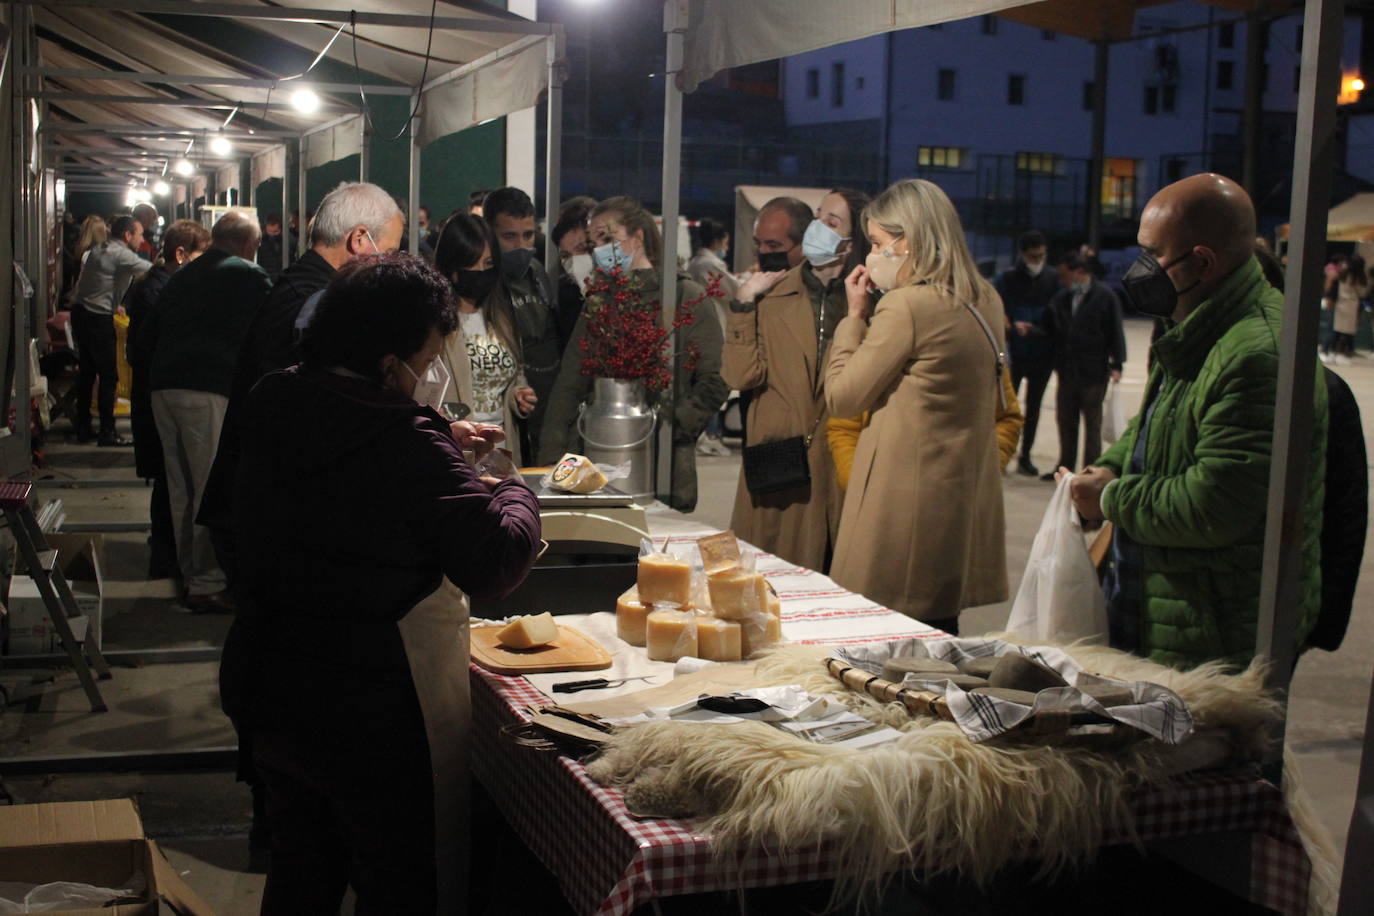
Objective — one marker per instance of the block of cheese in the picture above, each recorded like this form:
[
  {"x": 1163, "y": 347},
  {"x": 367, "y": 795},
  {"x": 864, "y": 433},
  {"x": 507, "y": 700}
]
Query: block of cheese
[
  {"x": 670, "y": 634},
  {"x": 719, "y": 552},
  {"x": 775, "y": 605},
  {"x": 630, "y": 616},
  {"x": 719, "y": 640},
  {"x": 664, "y": 578},
  {"x": 576, "y": 474},
  {"x": 528, "y": 632},
  {"x": 759, "y": 632},
  {"x": 737, "y": 593}
]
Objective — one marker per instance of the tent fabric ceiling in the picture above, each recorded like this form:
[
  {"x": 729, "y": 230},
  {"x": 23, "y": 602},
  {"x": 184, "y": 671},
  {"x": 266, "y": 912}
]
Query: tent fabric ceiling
[
  {"x": 83, "y": 36},
  {"x": 514, "y": 81},
  {"x": 726, "y": 33}
]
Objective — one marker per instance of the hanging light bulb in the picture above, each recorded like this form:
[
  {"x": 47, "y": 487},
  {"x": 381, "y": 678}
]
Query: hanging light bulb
[
  {"x": 184, "y": 167},
  {"x": 221, "y": 146},
  {"x": 162, "y": 189},
  {"x": 305, "y": 100}
]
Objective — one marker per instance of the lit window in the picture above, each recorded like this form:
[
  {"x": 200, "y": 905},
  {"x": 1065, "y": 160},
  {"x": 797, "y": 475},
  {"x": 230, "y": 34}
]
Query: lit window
[
  {"x": 1039, "y": 163},
  {"x": 941, "y": 157}
]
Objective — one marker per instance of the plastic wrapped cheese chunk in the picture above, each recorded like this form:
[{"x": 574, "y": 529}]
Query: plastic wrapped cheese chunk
[
  {"x": 670, "y": 633},
  {"x": 575, "y": 474},
  {"x": 759, "y": 632},
  {"x": 718, "y": 640},
  {"x": 528, "y": 632},
  {"x": 664, "y": 578},
  {"x": 630, "y": 617},
  {"x": 737, "y": 593}
]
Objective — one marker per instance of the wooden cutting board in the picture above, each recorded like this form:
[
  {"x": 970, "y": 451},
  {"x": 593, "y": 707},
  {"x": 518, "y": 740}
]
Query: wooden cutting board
[{"x": 572, "y": 651}]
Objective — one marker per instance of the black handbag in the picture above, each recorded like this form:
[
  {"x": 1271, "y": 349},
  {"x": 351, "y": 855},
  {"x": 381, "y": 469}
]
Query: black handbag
[{"x": 778, "y": 465}]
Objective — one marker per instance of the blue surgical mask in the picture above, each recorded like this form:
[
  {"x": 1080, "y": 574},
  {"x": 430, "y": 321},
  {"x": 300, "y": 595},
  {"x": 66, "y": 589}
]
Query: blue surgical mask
[
  {"x": 821, "y": 244},
  {"x": 611, "y": 256},
  {"x": 1081, "y": 287}
]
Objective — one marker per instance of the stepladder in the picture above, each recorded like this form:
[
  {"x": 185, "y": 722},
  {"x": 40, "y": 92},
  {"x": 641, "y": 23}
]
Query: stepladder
[{"x": 16, "y": 501}]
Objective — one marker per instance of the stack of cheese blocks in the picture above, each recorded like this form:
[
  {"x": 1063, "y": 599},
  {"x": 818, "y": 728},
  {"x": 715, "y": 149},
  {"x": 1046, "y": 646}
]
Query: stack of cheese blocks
[{"x": 744, "y": 616}]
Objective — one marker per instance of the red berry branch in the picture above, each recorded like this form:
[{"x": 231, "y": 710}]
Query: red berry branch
[{"x": 624, "y": 336}]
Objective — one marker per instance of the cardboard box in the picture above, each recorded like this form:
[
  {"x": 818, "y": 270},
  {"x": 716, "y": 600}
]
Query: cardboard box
[
  {"x": 81, "y": 558},
  {"x": 98, "y": 842}
]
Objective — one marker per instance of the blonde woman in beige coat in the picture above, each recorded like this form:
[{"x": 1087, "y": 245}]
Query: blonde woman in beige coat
[{"x": 922, "y": 529}]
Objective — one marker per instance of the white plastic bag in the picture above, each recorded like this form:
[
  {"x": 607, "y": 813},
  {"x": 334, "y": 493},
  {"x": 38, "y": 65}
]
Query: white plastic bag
[
  {"x": 1060, "y": 599},
  {"x": 1113, "y": 414}
]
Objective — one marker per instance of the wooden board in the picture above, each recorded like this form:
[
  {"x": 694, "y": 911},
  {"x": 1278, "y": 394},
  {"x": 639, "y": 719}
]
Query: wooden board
[{"x": 572, "y": 651}]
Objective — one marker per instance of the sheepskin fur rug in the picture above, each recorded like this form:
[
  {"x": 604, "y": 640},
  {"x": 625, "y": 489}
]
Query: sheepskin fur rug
[{"x": 932, "y": 801}]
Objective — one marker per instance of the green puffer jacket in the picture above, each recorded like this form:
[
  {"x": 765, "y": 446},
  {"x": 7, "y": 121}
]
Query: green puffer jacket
[{"x": 1198, "y": 511}]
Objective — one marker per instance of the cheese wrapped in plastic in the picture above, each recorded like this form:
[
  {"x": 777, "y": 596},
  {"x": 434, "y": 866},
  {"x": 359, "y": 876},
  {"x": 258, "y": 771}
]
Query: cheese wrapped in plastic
[
  {"x": 575, "y": 474},
  {"x": 631, "y": 616}
]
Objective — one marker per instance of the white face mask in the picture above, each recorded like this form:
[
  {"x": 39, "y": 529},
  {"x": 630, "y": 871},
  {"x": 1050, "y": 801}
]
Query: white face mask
[
  {"x": 1034, "y": 269},
  {"x": 821, "y": 244},
  {"x": 432, "y": 386},
  {"x": 580, "y": 267},
  {"x": 883, "y": 267}
]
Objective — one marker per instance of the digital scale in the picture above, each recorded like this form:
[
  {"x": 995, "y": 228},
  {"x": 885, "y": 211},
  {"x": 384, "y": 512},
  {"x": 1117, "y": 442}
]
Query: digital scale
[{"x": 593, "y": 554}]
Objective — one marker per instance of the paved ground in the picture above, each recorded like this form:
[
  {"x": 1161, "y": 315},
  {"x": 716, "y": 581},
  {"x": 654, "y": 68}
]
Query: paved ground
[{"x": 202, "y": 818}]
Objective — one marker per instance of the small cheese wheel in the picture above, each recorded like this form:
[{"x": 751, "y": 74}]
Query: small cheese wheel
[
  {"x": 630, "y": 616},
  {"x": 759, "y": 632},
  {"x": 664, "y": 578},
  {"x": 670, "y": 634},
  {"x": 719, "y": 640},
  {"x": 737, "y": 593},
  {"x": 576, "y": 474},
  {"x": 528, "y": 632}
]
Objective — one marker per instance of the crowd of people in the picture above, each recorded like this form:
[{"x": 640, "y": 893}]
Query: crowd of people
[{"x": 313, "y": 428}]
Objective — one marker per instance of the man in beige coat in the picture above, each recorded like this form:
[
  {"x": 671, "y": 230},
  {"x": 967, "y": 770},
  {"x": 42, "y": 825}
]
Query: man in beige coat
[{"x": 777, "y": 332}]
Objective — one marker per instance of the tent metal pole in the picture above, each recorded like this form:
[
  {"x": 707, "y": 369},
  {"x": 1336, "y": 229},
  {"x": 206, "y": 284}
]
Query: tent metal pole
[
  {"x": 1313, "y": 157},
  {"x": 300, "y": 196},
  {"x": 305, "y": 14},
  {"x": 1101, "y": 54},
  {"x": 1256, "y": 31},
  {"x": 413, "y": 201},
  {"x": 187, "y": 79},
  {"x": 364, "y": 151},
  {"x": 675, "y": 17},
  {"x": 285, "y": 208},
  {"x": 553, "y": 162}
]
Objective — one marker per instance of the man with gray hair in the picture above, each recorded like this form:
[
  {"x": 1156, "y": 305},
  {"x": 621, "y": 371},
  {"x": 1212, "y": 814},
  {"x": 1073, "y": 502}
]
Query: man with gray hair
[
  {"x": 194, "y": 335},
  {"x": 355, "y": 219}
]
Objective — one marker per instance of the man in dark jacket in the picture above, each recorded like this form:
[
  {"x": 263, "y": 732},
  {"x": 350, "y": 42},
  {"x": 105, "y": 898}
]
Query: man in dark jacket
[
  {"x": 1084, "y": 323},
  {"x": 1026, "y": 289},
  {"x": 194, "y": 337},
  {"x": 510, "y": 213},
  {"x": 183, "y": 242},
  {"x": 269, "y": 249},
  {"x": 354, "y": 219}
]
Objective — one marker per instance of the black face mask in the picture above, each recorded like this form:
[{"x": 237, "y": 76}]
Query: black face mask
[
  {"x": 515, "y": 263},
  {"x": 1149, "y": 289},
  {"x": 770, "y": 261},
  {"x": 475, "y": 285}
]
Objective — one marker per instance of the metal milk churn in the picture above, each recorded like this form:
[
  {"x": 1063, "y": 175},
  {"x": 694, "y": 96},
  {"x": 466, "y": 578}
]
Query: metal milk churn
[{"x": 617, "y": 426}]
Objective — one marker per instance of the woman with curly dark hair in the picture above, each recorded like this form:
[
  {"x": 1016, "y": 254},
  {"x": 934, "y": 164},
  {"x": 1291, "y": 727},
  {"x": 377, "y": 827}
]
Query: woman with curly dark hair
[{"x": 363, "y": 531}]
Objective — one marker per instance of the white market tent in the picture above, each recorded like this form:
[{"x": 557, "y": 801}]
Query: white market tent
[
  {"x": 102, "y": 95},
  {"x": 706, "y": 36},
  {"x": 1351, "y": 220}
]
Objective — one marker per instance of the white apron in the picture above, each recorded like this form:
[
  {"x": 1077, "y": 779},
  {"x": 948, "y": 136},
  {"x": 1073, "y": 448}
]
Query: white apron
[{"x": 436, "y": 638}]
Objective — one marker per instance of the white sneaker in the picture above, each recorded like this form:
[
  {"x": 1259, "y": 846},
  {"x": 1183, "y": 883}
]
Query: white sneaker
[
  {"x": 1341, "y": 360},
  {"x": 1324, "y": 357},
  {"x": 712, "y": 447}
]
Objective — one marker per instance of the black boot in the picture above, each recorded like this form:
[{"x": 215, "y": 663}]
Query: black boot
[{"x": 1024, "y": 466}]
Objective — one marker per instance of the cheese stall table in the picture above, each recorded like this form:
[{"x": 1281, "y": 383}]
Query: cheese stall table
[{"x": 609, "y": 862}]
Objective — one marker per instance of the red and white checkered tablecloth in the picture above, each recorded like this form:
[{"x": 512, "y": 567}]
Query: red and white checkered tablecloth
[{"x": 609, "y": 863}]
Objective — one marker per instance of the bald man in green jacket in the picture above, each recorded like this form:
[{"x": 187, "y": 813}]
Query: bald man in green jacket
[{"x": 1187, "y": 486}]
